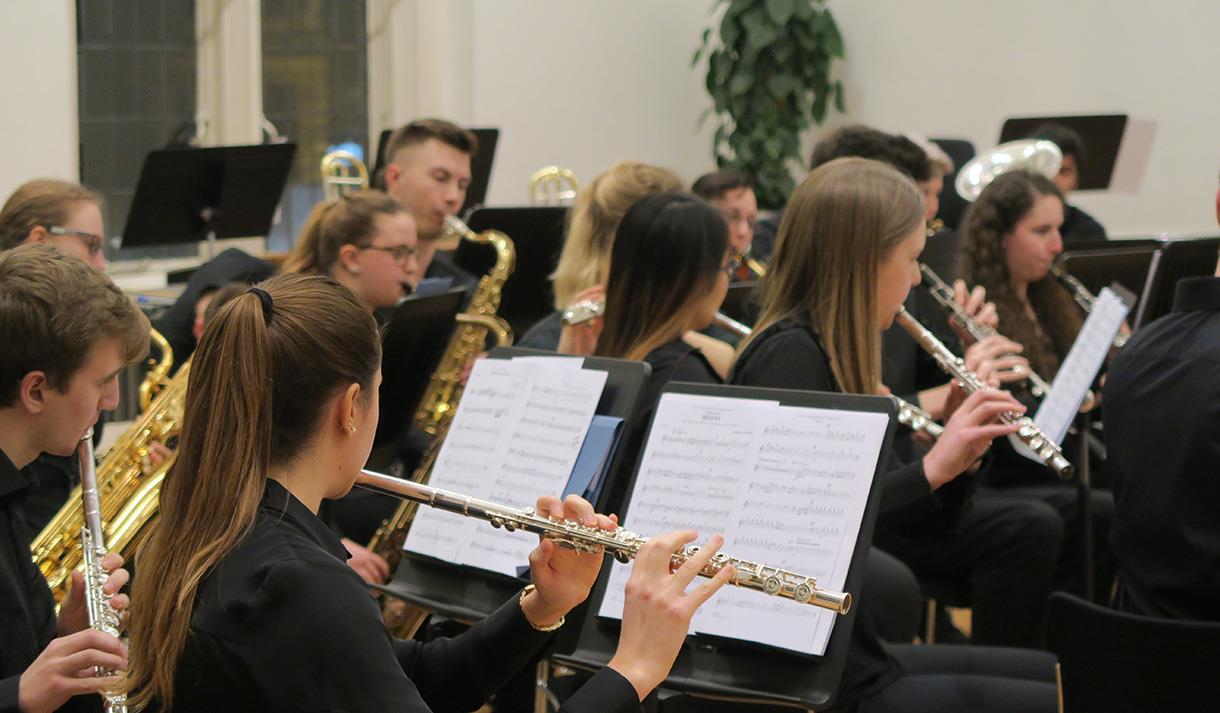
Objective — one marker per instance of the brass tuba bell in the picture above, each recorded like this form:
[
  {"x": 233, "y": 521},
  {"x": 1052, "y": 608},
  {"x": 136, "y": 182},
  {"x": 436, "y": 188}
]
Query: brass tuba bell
[{"x": 1036, "y": 155}]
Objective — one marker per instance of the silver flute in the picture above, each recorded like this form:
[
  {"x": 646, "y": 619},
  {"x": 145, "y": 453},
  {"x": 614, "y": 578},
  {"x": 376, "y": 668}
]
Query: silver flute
[
  {"x": 1048, "y": 451},
  {"x": 909, "y": 414},
  {"x": 622, "y": 544},
  {"x": 102, "y": 616},
  {"x": 943, "y": 294},
  {"x": 1083, "y": 297}
]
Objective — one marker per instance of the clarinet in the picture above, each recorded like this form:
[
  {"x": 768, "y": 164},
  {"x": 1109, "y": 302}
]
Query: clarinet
[
  {"x": 1048, "y": 451},
  {"x": 102, "y": 617},
  {"x": 624, "y": 545},
  {"x": 1083, "y": 297},
  {"x": 943, "y": 294}
]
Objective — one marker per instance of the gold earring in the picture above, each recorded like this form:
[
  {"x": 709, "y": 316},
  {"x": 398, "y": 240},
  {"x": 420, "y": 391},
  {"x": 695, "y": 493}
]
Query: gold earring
[{"x": 351, "y": 428}]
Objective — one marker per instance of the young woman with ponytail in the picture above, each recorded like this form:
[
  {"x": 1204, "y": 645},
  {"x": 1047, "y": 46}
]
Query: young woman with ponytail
[{"x": 242, "y": 597}]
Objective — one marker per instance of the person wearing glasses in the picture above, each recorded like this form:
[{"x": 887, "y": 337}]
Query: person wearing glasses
[
  {"x": 367, "y": 242},
  {"x": 733, "y": 193},
  {"x": 364, "y": 240},
  {"x": 64, "y": 215}
]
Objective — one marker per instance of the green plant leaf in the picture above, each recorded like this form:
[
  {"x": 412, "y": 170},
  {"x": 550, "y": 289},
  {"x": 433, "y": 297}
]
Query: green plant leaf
[
  {"x": 730, "y": 31},
  {"x": 840, "y": 106},
  {"x": 834, "y": 39},
  {"x": 781, "y": 10},
  {"x": 759, "y": 32},
  {"x": 818, "y": 110},
  {"x": 741, "y": 83}
]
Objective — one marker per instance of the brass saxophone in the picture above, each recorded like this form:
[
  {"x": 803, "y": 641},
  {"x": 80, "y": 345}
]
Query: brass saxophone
[
  {"x": 621, "y": 544},
  {"x": 158, "y": 370},
  {"x": 102, "y": 617},
  {"x": 439, "y": 402},
  {"x": 1083, "y": 297},
  {"x": 1048, "y": 451},
  {"x": 127, "y": 495}
]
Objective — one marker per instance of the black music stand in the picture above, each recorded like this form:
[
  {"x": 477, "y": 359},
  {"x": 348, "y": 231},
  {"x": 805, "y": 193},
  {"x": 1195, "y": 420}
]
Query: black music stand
[
  {"x": 537, "y": 233},
  {"x": 1102, "y": 135},
  {"x": 414, "y": 337},
  {"x": 480, "y": 165},
  {"x": 1098, "y": 263},
  {"x": 467, "y": 594},
  {"x": 193, "y": 194},
  {"x": 728, "y": 670},
  {"x": 1176, "y": 260}
]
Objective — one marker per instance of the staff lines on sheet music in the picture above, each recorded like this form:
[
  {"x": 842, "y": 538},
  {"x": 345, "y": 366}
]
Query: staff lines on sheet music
[
  {"x": 700, "y": 457},
  {"x": 553, "y": 460},
  {"x": 555, "y": 409},
  {"x": 453, "y": 461},
  {"x": 492, "y": 393},
  {"x": 437, "y": 536},
  {"x": 704, "y": 477},
  {"x": 800, "y": 471},
  {"x": 495, "y": 543},
  {"x": 809, "y": 492},
  {"x": 788, "y": 547},
  {"x": 688, "y": 491},
  {"x": 534, "y": 437},
  {"x": 554, "y": 424},
  {"x": 657, "y": 524},
  {"x": 771, "y": 524},
  {"x": 828, "y": 434},
  {"x": 813, "y": 453},
  {"x": 704, "y": 442},
  {"x": 780, "y": 606},
  {"x": 795, "y": 508}
]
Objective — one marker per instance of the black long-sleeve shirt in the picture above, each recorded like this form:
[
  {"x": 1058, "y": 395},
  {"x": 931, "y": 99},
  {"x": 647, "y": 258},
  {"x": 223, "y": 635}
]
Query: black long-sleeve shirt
[
  {"x": 1162, "y": 412},
  {"x": 282, "y": 624}
]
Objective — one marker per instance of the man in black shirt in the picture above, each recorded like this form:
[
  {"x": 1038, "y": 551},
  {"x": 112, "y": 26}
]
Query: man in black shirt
[
  {"x": 1077, "y": 224},
  {"x": 1162, "y": 411},
  {"x": 68, "y": 332}
]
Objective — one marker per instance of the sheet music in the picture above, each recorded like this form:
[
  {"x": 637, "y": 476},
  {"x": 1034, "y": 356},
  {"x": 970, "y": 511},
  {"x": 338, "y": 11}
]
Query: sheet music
[
  {"x": 1078, "y": 370},
  {"x": 786, "y": 486},
  {"x": 516, "y": 435}
]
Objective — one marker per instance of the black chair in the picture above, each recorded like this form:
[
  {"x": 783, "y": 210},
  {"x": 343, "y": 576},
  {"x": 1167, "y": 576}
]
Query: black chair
[{"x": 1113, "y": 661}]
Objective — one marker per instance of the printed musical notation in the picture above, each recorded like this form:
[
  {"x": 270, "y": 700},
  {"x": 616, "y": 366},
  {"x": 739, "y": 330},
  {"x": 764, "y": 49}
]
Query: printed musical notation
[
  {"x": 516, "y": 435},
  {"x": 786, "y": 486}
]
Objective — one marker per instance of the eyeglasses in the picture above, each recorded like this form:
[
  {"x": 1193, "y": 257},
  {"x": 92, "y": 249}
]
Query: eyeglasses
[
  {"x": 401, "y": 253},
  {"x": 92, "y": 241}
]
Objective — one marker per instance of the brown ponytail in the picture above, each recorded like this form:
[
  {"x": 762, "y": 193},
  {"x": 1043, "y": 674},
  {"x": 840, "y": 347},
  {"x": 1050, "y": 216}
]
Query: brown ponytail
[
  {"x": 350, "y": 220},
  {"x": 259, "y": 382}
]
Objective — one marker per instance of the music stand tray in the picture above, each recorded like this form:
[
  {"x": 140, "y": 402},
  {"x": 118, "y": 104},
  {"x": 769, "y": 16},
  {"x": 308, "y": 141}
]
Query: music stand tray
[
  {"x": 468, "y": 594},
  {"x": 1102, "y": 135},
  {"x": 714, "y": 667},
  {"x": 1177, "y": 260},
  {"x": 188, "y": 195}
]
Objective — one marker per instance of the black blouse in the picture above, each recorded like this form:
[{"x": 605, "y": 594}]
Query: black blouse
[{"x": 282, "y": 624}]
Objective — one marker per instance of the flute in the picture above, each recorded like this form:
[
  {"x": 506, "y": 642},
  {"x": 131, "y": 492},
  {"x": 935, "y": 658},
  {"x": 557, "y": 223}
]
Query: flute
[
  {"x": 624, "y": 545},
  {"x": 1048, "y": 451},
  {"x": 1083, "y": 297}
]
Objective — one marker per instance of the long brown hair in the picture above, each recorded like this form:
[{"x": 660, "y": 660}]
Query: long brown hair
[
  {"x": 349, "y": 220},
  {"x": 667, "y": 254},
  {"x": 839, "y": 225},
  {"x": 599, "y": 207},
  {"x": 259, "y": 382},
  {"x": 999, "y": 208},
  {"x": 43, "y": 202}
]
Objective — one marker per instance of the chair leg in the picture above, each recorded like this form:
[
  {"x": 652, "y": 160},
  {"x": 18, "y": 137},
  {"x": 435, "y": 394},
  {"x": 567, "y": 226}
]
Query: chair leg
[
  {"x": 544, "y": 699},
  {"x": 929, "y": 631}
]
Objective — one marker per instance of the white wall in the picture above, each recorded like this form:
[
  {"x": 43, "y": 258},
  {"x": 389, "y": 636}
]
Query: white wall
[
  {"x": 586, "y": 83},
  {"x": 38, "y": 134}
]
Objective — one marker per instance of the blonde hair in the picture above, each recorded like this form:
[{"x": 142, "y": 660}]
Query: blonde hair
[
  {"x": 585, "y": 260},
  {"x": 43, "y": 202},
  {"x": 840, "y": 223},
  {"x": 349, "y": 220}
]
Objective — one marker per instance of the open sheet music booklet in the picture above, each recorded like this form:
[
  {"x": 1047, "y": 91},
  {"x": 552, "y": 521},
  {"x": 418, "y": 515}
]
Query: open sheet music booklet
[
  {"x": 516, "y": 435},
  {"x": 786, "y": 486}
]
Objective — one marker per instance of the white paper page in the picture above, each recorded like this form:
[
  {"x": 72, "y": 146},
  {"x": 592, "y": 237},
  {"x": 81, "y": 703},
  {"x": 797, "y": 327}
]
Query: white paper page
[
  {"x": 537, "y": 457},
  {"x": 560, "y": 362},
  {"x": 469, "y": 455},
  {"x": 1079, "y": 369},
  {"x": 787, "y": 488}
]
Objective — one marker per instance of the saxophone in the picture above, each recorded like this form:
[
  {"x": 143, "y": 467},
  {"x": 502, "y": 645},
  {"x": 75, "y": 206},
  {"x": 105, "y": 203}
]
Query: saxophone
[
  {"x": 127, "y": 494},
  {"x": 439, "y": 402},
  {"x": 158, "y": 370},
  {"x": 1048, "y": 451},
  {"x": 473, "y": 326},
  {"x": 102, "y": 616}
]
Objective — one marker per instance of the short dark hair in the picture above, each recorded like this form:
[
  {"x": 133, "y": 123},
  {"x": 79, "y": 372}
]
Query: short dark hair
[
  {"x": 420, "y": 130},
  {"x": 53, "y": 309},
  {"x": 711, "y": 186},
  {"x": 866, "y": 142},
  {"x": 1068, "y": 140}
]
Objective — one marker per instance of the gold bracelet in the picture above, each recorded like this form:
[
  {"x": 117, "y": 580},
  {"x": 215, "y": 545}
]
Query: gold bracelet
[{"x": 521, "y": 602}]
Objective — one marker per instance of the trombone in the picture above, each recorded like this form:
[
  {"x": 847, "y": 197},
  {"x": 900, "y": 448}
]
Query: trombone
[{"x": 343, "y": 173}]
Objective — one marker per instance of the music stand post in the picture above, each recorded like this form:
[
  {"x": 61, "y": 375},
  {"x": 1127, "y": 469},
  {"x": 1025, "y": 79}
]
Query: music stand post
[
  {"x": 1084, "y": 505},
  {"x": 203, "y": 194}
]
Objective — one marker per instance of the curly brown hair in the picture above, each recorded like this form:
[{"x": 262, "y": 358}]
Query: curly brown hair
[{"x": 995, "y": 214}]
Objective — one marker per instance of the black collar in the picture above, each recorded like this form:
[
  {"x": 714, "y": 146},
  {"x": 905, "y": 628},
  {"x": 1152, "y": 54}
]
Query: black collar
[
  {"x": 12, "y": 479},
  {"x": 1197, "y": 293},
  {"x": 280, "y": 504}
]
